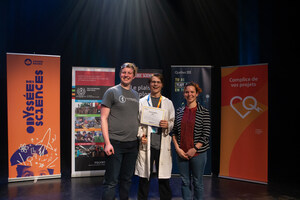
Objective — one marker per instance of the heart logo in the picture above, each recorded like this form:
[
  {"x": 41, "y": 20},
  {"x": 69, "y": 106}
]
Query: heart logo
[{"x": 249, "y": 103}]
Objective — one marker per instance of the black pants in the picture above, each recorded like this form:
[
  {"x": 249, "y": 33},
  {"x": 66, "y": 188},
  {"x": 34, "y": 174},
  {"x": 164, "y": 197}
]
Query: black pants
[
  {"x": 163, "y": 184},
  {"x": 119, "y": 168}
]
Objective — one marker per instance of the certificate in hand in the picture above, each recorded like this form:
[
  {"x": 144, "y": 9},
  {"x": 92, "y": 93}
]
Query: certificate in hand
[{"x": 152, "y": 116}]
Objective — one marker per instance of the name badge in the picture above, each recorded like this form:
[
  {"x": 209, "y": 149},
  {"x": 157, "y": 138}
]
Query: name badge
[{"x": 154, "y": 129}]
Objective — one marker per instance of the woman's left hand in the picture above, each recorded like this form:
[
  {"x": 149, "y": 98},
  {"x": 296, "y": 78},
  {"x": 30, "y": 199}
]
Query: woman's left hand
[
  {"x": 163, "y": 123},
  {"x": 191, "y": 152}
]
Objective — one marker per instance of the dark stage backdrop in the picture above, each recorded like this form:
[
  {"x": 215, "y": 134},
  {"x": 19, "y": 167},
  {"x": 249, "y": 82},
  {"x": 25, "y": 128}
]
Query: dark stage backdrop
[{"x": 149, "y": 33}]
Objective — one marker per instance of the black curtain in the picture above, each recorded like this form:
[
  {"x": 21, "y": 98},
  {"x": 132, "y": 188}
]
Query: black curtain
[{"x": 152, "y": 34}]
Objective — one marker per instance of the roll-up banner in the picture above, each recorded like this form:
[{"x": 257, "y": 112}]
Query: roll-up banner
[
  {"x": 140, "y": 82},
  {"x": 33, "y": 109},
  {"x": 88, "y": 86},
  {"x": 202, "y": 76},
  {"x": 244, "y": 123}
]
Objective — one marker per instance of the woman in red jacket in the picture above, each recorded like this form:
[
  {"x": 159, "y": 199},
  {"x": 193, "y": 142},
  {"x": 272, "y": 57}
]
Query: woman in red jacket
[{"x": 191, "y": 134}]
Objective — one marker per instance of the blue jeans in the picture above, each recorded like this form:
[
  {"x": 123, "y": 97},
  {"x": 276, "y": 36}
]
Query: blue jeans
[
  {"x": 192, "y": 169},
  {"x": 119, "y": 168}
]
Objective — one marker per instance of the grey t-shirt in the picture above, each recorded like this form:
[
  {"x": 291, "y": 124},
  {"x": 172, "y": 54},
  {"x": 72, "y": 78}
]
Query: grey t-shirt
[
  {"x": 123, "y": 117},
  {"x": 156, "y": 137}
]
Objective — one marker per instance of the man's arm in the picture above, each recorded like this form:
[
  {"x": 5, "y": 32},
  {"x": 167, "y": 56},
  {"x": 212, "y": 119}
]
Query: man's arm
[{"x": 109, "y": 149}]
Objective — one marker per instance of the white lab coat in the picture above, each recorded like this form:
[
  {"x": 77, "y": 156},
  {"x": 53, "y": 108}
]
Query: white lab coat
[{"x": 142, "y": 167}]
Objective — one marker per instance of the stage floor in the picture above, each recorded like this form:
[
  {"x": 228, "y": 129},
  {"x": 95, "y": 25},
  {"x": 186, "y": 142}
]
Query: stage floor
[{"x": 87, "y": 188}]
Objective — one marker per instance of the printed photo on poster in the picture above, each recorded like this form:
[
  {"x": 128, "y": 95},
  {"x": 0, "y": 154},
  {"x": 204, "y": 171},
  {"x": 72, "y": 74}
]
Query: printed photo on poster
[{"x": 89, "y": 142}]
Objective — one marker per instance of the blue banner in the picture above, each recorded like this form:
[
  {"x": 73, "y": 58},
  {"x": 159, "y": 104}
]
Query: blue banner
[{"x": 202, "y": 76}]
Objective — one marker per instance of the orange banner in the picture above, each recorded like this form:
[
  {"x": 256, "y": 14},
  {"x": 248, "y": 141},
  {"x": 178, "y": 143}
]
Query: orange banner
[
  {"x": 33, "y": 107},
  {"x": 244, "y": 123}
]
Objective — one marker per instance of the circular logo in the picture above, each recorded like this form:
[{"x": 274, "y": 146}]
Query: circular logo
[
  {"x": 81, "y": 92},
  {"x": 28, "y": 61},
  {"x": 30, "y": 129},
  {"x": 122, "y": 99}
]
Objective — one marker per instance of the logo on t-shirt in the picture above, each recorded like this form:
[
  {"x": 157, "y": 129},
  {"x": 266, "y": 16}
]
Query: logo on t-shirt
[{"x": 122, "y": 99}]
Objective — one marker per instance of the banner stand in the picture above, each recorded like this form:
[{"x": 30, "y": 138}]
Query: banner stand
[
  {"x": 239, "y": 179},
  {"x": 35, "y": 178},
  {"x": 244, "y": 123},
  {"x": 33, "y": 113},
  {"x": 182, "y": 74},
  {"x": 88, "y": 87}
]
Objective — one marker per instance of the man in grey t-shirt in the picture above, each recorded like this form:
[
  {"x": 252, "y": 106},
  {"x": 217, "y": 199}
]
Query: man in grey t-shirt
[
  {"x": 119, "y": 124},
  {"x": 123, "y": 118}
]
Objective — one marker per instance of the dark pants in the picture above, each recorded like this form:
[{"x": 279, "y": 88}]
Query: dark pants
[
  {"x": 163, "y": 184},
  {"x": 119, "y": 168}
]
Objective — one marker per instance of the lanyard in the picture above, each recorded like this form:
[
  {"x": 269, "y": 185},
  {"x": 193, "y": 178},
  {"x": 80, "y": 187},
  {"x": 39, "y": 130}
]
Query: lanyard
[{"x": 148, "y": 100}]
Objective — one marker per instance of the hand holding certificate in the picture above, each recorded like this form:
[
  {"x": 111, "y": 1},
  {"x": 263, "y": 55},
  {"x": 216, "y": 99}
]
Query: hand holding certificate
[{"x": 152, "y": 116}]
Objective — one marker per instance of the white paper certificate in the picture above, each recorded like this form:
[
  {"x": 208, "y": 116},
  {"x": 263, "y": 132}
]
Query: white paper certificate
[{"x": 152, "y": 116}]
